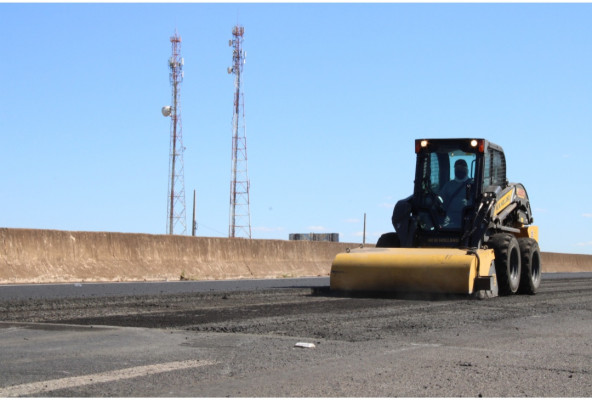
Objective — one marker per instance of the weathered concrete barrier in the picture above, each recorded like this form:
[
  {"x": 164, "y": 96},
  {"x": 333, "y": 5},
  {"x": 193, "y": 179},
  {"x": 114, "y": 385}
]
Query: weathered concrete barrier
[
  {"x": 560, "y": 262},
  {"x": 48, "y": 256}
]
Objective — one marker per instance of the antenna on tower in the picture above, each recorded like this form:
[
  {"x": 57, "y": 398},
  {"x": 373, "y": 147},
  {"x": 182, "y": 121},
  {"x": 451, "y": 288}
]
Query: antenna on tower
[
  {"x": 176, "y": 221},
  {"x": 240, "y": 214}
]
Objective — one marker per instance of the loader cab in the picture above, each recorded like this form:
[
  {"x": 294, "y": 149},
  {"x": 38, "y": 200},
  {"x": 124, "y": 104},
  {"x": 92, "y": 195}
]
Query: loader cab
[{"x": 448, "y": 184}]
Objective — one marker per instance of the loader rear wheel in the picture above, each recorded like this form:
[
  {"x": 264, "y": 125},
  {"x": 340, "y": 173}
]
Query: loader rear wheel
[
  {"x": 507, "y": 262},
  {"x": 530, "y": 257},
  {"x": 390, "y": 239}
]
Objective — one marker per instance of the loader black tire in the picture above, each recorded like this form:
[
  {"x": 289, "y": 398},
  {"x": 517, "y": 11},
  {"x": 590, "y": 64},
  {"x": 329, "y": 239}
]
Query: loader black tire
[
  {"x": 390, "y": 239},
  {"x": 507, "y": 262},
  {"x": 530, "y": 258}
]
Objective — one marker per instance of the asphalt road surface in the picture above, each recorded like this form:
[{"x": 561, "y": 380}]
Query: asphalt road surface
[{"x": 243, "y": 342}]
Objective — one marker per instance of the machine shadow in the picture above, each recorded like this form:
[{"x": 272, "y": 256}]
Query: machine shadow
[{"x": 395, "y": 295}]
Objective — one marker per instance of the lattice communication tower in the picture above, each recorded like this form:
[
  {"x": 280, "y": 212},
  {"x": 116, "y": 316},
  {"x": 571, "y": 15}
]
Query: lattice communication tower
[
  {"x": 176, "y": 220},
  {"x": 240, "y": 214}
]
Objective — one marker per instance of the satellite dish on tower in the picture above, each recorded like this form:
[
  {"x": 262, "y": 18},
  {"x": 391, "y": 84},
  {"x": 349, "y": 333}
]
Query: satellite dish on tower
[{"x": 166, "y": 111}]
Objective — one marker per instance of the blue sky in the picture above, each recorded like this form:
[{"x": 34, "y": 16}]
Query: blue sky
[{"x": 335, "y": 95}]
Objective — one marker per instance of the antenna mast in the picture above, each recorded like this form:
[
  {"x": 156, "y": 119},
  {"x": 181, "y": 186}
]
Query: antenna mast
[
  {"x": 240, "y": 214},
  {"x": 176, "y": 221}
]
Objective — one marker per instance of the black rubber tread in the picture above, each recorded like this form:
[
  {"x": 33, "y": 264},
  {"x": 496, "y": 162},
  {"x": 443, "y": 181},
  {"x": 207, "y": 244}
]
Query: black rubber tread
[
  {"x": 390, "y": 239},
  {"x": 530, "y": 258},
  {"x": 507, "y": 262}
]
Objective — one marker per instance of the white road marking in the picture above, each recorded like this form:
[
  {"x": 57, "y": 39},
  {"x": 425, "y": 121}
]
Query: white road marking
[
  {"x": 403, "y": 349},
  {"x": 28, "y": 389},
  {"x": 417, "y": 346}
]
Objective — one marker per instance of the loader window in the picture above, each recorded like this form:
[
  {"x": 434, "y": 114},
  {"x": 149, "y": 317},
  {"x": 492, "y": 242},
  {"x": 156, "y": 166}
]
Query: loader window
[
  {"x": 435, "y": 168},
  {"x": 438, "y": 169},
  {"x": 434, "y": 172},
  {"x": 469, "y": 159},
  {"x": 494, "y": 173},
  {"x": 447, "y": 174}
]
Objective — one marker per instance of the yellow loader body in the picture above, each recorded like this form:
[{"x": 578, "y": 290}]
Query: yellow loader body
[{"x": 438, "y": 270}]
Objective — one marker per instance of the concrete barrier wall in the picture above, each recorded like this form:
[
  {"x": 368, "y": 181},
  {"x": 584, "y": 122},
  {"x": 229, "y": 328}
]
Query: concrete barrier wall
[
  {"x": 560, "y": 262},
  {"x": 47, "y": 256}
]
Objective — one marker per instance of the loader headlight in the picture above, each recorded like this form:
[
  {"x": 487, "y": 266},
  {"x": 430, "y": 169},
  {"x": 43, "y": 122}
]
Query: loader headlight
[
  {"x": 479, "y": 144},
  {"x": 420, "y": 144}
]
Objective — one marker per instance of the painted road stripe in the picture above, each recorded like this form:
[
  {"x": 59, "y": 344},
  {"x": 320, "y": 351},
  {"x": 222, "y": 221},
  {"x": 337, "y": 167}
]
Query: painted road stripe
[{"x": 110, "y": 376}]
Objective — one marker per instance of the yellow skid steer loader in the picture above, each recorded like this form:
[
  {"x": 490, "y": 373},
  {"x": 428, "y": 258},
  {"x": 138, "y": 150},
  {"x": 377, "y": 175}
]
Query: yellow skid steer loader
[{"x": 465, "y": 230}]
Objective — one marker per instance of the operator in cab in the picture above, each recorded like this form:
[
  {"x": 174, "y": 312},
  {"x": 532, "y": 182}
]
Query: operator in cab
[{"x": 454, "y": 195}]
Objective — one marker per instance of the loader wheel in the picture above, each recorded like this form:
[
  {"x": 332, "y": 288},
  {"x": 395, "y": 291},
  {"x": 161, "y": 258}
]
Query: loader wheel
[
  {"x": 507, "y": 262},
  {"x": 390, "y": 239},
  {"x": 530, "y": 257}
]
